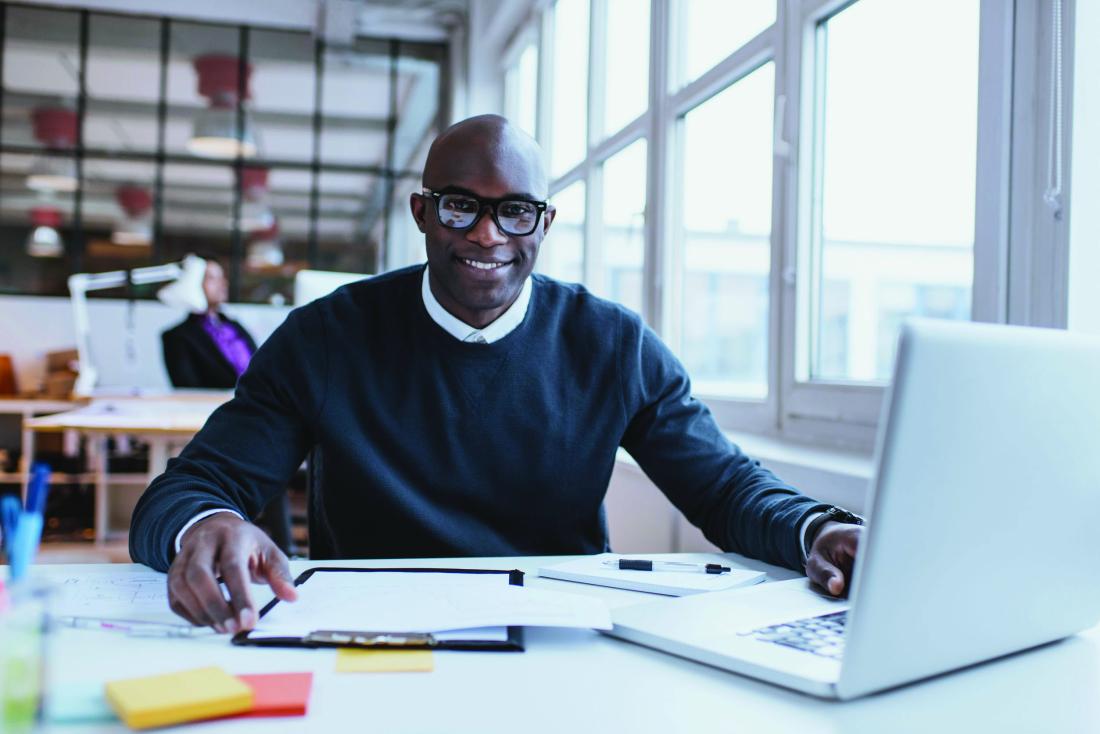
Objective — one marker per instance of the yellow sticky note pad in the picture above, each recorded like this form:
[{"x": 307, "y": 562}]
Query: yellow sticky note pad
[
  {"x": 384, "y": 661},
  {"x": 175, "y": 698}
]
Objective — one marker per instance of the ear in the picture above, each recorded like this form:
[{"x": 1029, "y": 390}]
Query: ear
[
  {"x": 416, "y": 204},
  {"x": 548, "y": 218}
]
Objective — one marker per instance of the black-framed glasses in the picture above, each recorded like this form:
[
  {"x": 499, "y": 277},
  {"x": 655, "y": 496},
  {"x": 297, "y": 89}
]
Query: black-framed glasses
[{"x": 516, "y": 217}]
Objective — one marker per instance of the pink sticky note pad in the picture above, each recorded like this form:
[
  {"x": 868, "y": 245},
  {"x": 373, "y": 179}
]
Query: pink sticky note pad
[{"x": 278, "y": 694}]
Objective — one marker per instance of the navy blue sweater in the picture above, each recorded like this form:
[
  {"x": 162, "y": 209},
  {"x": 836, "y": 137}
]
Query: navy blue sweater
[{"x": 433, "y": 447}]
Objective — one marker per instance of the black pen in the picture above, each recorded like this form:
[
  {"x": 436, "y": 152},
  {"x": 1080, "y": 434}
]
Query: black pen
[{"x": 638, "y": 564}]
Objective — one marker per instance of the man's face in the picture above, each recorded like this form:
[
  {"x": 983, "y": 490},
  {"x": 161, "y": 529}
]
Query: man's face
[{"x": 478, "y": 272}]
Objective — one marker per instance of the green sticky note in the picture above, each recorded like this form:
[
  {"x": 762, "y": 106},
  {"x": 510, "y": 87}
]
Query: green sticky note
[{"x": 78, "y": 703}]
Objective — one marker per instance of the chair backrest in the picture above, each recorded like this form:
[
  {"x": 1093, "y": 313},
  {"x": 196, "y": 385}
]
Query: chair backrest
[{"x": 321, "y": 546}]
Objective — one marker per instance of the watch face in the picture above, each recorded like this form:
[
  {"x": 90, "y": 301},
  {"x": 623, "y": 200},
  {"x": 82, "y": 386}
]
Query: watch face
[{"x": 840, "y": 515}]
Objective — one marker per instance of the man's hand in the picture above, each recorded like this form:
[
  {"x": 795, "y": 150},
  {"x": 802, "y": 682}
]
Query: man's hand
[
  {"x": 832, "y": 556},
  {"x": 237, "y": 551}
]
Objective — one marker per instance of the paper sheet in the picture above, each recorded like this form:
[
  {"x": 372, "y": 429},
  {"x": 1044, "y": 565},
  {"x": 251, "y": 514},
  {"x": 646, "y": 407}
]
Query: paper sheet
[
  {"x": 425, "y": 602},
  {"x": 384, "y": 661},
  {"x": 142, "y": 598},
  {"x": 114, "y": 596}
]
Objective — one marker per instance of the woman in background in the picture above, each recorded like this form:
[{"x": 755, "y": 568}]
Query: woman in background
[{"x": 209, "y": 349}]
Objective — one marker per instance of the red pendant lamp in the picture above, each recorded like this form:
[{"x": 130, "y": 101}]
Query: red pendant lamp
[{"x": 215, "y": 133}]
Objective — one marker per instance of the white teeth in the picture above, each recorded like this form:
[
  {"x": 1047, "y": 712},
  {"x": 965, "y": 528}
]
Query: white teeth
[{"x": 482, "y": 266}]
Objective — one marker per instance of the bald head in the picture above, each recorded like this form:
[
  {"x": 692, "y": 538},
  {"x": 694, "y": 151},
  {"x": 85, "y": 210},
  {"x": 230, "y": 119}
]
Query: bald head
[{"x": 484, "y": 152}]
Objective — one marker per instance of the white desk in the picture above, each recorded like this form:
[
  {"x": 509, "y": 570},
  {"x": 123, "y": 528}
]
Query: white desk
[
  {"x": 581, "y": 681},
  {"x": 27, "y": 409},
  {"x": 166, "y": 421}
]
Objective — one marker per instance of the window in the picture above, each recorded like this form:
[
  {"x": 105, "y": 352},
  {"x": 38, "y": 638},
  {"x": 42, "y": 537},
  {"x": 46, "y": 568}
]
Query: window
[
  {"x": 625, "y": 88},
  {"x": 810, "y": 174},
  {"x": 622, "y": 230},
  {"x": 260, "y": 146},
  {"x": 562, "y": 252},
  {"x": 726, "y": 210},
  {"x": 710, "y": 30},
  {"x": 570, "y": 79},
  {"x": 521, "y": 89},
  {"x": 894, "y": 183}
]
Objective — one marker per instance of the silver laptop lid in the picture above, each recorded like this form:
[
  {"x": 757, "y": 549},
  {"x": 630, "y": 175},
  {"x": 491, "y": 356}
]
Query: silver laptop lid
[{"x": 986, "y": 503}]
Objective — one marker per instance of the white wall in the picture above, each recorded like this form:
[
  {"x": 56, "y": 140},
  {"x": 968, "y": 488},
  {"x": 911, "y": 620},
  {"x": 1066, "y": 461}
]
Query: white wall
[
  {"x": 1084, "y": 222},
  {"x": 30, "y": 326},
  {"x": 492, "y": 25}
]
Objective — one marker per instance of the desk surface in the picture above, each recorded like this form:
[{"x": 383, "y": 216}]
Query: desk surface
[
  {"x": 169, "y": 413},
  {"x": 582, "y": 681},
  {"x": 32, "y": 405}
]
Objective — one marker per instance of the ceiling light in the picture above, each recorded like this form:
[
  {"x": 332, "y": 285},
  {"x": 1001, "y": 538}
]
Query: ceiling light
[
  {"x": 44, "y": 239},
  {"x": 49, "y": 175},
  {"x": 215, "y": 133},
  {"x": 55, "y": 128},
  {"x": 255, "y": 213},
  {"x": 264, "y": 249},
  {"x": 135, "y": 227}
]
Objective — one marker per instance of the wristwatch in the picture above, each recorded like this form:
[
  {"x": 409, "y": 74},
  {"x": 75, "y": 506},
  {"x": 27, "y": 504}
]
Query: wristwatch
[{"x": 832, "y": 514}]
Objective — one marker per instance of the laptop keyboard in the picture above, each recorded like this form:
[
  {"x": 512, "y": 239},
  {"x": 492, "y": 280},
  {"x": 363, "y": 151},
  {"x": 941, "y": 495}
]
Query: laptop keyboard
[{"x": 822, "y": 636}]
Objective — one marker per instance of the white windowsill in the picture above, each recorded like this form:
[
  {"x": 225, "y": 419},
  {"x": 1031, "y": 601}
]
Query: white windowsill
[{"x": 836, "y": 476}]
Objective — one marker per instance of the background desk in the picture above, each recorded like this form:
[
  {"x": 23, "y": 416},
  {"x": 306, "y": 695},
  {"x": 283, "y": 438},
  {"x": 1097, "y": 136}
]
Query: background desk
[
  {"x": 165, "y": 421},
  {"x": 582, "y": 681},
  {"x": 26, "y": 409}
]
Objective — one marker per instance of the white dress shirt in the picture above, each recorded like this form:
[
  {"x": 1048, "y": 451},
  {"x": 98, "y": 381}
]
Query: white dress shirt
[{"x": 504, "y": 324}]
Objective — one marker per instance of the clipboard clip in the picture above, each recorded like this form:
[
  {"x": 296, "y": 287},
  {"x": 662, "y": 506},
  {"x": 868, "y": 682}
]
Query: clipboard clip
[{"x": 352, "y": 638}]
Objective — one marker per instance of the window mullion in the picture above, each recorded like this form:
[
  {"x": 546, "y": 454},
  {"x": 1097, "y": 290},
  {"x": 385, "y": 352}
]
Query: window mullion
[
  {"x": 993, "y": 163},
  {"x": 597, "y": 76},
  {"x": 655, "y": 266}
]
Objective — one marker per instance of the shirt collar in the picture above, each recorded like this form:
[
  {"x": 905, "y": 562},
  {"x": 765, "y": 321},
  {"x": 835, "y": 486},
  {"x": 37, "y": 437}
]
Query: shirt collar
[{"x": 504, "y": 324}]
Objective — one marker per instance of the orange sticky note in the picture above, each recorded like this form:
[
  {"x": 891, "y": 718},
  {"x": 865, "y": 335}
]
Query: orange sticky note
[{"x": 278, "y": 694}]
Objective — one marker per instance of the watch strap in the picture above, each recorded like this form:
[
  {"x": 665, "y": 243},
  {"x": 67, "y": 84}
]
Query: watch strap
[{"x": 830, "y": 514}]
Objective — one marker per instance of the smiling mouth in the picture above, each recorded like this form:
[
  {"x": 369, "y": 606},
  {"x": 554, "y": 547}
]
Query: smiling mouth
[{"x": 477, "y": 264}]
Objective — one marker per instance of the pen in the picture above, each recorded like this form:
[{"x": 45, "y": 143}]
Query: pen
[
  {"x": 9, "y": 517},
  {"x": 639, "y": 564},
  {"x": 132, "y": 627},
  {"x": 27, "y": 531}
]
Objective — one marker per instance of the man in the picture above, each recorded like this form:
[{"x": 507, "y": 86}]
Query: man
[{"x": 466, "y": 408}]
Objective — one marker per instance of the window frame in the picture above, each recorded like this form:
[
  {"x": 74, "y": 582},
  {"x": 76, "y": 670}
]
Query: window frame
[
  {"x": 1015, "y": 280},
  {"x": 848, "y": 412}
]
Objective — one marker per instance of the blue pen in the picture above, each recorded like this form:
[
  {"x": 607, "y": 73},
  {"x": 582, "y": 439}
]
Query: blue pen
[
  {"x": 38, "y": 488},
  {"x": 28, "y": 531},
  {"x": 9, "y": 518}
]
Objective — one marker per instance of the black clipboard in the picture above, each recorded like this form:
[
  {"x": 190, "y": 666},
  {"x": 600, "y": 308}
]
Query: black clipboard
[{"x": 375, "y": 639}]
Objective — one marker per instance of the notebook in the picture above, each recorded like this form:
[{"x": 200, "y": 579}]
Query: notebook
[{"x": 592, "y": 570}]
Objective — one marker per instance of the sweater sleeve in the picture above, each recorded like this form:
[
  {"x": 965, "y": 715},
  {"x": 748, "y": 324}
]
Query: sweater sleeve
[
  {"x": 739, "y": 505},
  {"x": 250, "y": 446}
]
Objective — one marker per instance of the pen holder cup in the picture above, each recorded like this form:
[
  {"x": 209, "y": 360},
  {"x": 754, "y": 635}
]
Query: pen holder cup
[{"x": 24, "y": 623}]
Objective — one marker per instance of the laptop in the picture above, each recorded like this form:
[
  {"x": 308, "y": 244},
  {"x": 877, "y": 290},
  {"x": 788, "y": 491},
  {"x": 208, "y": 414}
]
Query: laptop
[{"x": 981, "y": 539}]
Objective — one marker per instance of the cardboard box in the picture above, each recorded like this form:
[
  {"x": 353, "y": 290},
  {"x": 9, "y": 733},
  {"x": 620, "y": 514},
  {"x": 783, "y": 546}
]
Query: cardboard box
[
  {"x": 64, "y": 360},
  {"x": 59, "y": 384}
]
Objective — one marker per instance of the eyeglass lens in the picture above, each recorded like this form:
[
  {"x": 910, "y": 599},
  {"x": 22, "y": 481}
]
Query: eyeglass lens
[{"x": 514, "y": 217}]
